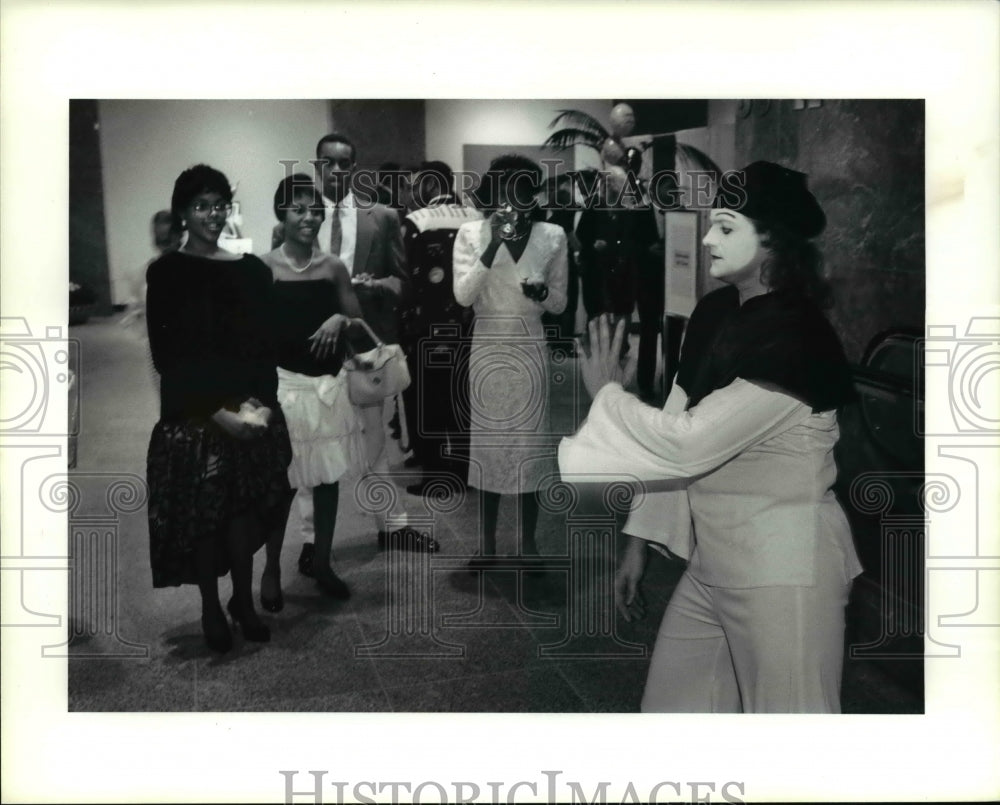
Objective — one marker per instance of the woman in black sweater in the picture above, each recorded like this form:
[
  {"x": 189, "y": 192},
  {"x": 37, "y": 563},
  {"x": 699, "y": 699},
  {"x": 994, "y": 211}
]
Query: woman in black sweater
[{"x": 218, "y": 458}]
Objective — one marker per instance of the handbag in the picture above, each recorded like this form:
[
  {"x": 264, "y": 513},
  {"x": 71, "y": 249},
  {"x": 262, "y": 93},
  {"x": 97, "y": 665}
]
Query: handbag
[{"x": 374, "y": 375}]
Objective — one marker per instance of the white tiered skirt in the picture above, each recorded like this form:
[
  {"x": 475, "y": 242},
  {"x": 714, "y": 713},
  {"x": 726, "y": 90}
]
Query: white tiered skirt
[{"x": 326, "y": 434}]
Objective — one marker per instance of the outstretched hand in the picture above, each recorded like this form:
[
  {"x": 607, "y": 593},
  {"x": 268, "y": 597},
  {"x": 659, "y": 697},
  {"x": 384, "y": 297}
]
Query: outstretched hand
[{"x": 601, "y": 361}]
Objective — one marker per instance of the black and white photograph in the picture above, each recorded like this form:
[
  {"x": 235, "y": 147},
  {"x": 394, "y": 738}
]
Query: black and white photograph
[{"x": 389, "y": 428}]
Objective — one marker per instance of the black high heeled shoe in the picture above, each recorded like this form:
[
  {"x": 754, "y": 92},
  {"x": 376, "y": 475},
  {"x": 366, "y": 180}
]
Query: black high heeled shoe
[
  {"x": 257, "y": 632},
  {"x": 217, "y": 634},
  {"x": 275, "y": 604},
  {"x": 333, "y": 586}
]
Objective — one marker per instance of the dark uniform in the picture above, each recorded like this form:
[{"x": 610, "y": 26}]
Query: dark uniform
[
  {"x": 436, "y": 331},
  {"x": 625, "y": 271}
]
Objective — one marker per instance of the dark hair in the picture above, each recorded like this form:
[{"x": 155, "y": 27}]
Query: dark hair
[
  {"x": 292, "y": 186},
  {"x": 199, "y": 179},
  {"x": 511, "y": 164},
  {"x": 438, "y": 168},
  {"x": 502, "y": 169},
  {"x": 442, "y": 173},
  {"x": 336, "y": 137},
  {"x": 794, "y": 265}
]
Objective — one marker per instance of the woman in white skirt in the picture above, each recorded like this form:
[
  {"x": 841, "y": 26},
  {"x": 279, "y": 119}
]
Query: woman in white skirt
[{"x": 314, "y": 305}]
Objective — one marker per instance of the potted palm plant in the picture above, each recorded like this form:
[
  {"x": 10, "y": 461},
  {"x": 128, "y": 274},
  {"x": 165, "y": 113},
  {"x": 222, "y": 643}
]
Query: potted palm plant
[{"x": 573, "y": 127}]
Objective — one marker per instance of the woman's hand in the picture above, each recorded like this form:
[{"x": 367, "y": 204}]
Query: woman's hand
[
  {"x": 324, "y": 340},
  {"x": 602, "y": 363},
  {"x": 235, "y": 425},
  {"x": 535, "y": 291},
  {"x": 489, "y": 255},
  {"x": 255, "y": 412},
  {"x": 497, "y": 219},
  {"x": 632, "y": 568}
]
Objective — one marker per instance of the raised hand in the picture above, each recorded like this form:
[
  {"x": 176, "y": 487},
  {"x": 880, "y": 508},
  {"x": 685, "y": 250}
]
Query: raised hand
[{"x": 601, "y": 363}]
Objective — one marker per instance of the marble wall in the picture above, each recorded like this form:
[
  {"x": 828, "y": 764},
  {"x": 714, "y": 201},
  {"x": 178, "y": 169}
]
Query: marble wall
[{"x": 865, "y": 160}]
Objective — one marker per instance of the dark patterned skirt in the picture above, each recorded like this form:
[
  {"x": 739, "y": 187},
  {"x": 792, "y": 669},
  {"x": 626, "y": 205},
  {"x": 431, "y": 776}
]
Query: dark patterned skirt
[{"x": 199, "y": 480}]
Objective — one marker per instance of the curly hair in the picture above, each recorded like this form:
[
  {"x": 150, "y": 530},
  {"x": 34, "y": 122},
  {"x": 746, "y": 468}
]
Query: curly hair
[
  {"x": 298, "y": 184},
  {"x": 794, "y": 265},
  {"x": 199, "y": 179},
  {"x": 524, "y": 172}
]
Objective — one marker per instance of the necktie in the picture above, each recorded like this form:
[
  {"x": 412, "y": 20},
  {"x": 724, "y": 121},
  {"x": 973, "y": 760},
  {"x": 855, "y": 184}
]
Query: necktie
[{"x": 336, "y": 233}]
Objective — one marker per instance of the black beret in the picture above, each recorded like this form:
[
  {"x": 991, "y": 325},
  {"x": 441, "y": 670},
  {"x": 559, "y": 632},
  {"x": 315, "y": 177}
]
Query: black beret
[{"x": 772, "y": 194}]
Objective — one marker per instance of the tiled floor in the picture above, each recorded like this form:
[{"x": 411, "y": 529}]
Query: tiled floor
[{"x": 419, "y": 633}]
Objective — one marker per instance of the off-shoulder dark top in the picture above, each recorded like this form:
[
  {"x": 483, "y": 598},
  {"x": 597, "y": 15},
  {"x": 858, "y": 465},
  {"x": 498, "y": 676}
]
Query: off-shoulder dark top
[
  {"x": 211, "y": 333},
  {"x": 300, "y": 307},
  {"x": 778, "y": 338}
]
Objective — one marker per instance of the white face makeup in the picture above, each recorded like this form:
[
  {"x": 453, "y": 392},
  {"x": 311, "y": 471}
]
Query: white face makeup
[{"x": 735, "y": 247}]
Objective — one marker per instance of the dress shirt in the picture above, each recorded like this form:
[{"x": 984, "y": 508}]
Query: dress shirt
[{"x": 348, "y": 226}]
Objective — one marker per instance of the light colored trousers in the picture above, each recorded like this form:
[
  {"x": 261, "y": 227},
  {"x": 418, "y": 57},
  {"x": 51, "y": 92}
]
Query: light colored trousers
[
  {"x": 373, "y": 418},
  {"x": 756, "y": 650}
]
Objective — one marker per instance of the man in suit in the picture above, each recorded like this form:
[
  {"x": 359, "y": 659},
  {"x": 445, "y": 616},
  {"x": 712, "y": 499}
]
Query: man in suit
[{"x": 367, "y": 237}]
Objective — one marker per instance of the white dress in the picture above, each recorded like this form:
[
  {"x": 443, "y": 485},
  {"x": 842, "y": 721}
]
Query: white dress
[{"x": 512, "y": 447}]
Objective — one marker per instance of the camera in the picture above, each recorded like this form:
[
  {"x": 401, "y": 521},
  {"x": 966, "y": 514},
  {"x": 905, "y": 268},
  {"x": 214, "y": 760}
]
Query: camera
[{"x": 536, "y": 291}]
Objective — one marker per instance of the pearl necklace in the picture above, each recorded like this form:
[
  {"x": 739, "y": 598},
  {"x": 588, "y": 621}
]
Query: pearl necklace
[{"x": 291, "y": 263}]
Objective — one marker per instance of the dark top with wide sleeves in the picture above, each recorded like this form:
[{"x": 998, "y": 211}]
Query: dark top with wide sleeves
[
  {"x": 780, "y": 339},
  {"x": 211, "y": 333}
]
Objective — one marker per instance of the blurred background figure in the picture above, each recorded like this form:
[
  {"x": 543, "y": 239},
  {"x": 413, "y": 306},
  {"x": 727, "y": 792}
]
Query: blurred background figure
[
  {"x": 166, "y": 239},
  {"x": 561, "y": 209},
  {"x": 436, "y": 329},
  {"x": 619, "y": 244}
]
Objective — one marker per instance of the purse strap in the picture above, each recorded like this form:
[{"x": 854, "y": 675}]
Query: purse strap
[{"x": 371, "y": 334}]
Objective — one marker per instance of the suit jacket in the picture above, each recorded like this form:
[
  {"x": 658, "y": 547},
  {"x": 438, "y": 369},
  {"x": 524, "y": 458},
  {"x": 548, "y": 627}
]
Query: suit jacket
[{"x": 379, "y": 251}]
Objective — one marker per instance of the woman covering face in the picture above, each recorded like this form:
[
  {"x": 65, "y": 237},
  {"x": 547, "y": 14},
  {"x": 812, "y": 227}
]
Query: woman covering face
[
  {"x": 510, "y": 268},
  {"x": 738, "y": 468}
]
